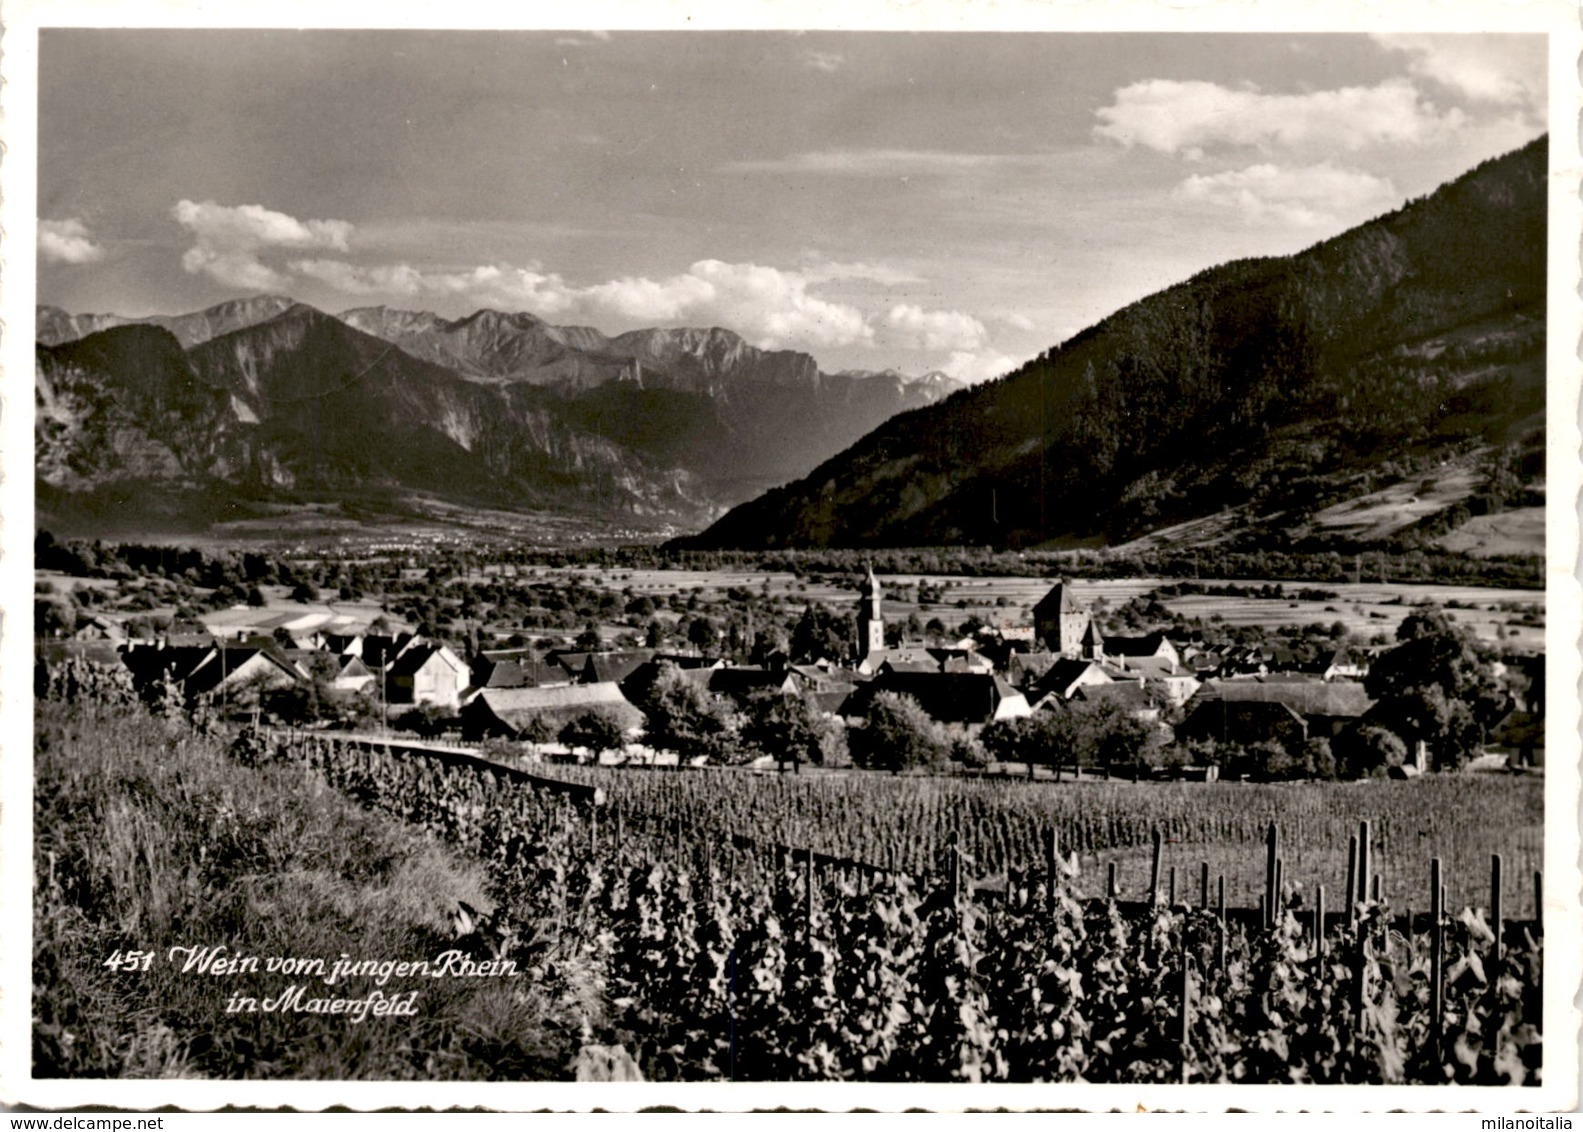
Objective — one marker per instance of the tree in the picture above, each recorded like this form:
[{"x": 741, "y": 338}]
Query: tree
[
  {"x": 589, "y": 639},
  {"x": 1045, "y": 738},
  {"x": 682, "y": 717},
  {"x": 898, "y": 735},
  {"x": 1432, "y": 688},
  {"x": 596, "y": 730},
  {"x": 792, "y": 729},
  {"x": 820, "y": 634},
  {"x": 1107, "y": 735},
  {"x": 702, "y": 634},
  {"x": 256, "y": 598},
  {"x": 1368, "y": 750},
  {"x": 304, "y": 592}
]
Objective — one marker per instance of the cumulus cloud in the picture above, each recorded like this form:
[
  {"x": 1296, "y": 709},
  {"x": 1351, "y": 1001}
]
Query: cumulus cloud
[
  {"x": 229, "y": 238},
  {"x": 67, "y": 241},
  {"x": 1306, "y": 195},
  {"x": 1188, "y": 118},
  {"x": 1504, "y": 70},
  {"x": 769, "y": 307},
  {"x": 1015, "y": 320},
  {"x": 935, "y": 330},
  {"x": 970, "y": 366}
]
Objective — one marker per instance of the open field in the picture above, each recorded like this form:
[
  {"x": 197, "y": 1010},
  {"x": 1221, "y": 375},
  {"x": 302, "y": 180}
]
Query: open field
[
  {"x": 1521, "y": 531},
  {"x": 1366, "y": 608},
  {"x": 1394, "y": 508}
]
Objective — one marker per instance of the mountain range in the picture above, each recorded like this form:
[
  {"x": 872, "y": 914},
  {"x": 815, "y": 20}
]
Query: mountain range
[
  {"x": 1265, "y": 389},
  {"x": 260, "y": 402}
]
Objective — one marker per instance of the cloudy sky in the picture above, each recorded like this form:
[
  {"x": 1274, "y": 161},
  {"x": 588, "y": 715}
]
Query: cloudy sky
[{"x": 952, "y": 201}]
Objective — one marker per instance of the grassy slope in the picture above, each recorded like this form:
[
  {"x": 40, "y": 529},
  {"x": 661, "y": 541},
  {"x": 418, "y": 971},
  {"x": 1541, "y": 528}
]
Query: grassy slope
[{"x": 148, "y": 837}]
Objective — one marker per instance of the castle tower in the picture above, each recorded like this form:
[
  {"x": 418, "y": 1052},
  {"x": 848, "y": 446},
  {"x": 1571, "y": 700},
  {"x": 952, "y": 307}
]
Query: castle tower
[
  {"x": 1062, "y": 623},
  {"x": 870, "y": 620}
]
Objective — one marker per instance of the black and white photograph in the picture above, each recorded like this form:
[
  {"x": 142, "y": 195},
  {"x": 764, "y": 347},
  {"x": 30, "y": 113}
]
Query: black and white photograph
[{"x": 925, "y": 561}]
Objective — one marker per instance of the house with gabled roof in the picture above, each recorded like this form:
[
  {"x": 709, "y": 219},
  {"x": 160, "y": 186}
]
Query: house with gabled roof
[
  {"x": 963, "y": 700},
  {"x": 1063, "y": 679},
  {"x": 229, "y": 671},
  {"x": 1325, "y": 708},
  {"x": 507, "y": 712},
  {"x": 427, "y": 673},
  {"x": 1150, "y": 645}
]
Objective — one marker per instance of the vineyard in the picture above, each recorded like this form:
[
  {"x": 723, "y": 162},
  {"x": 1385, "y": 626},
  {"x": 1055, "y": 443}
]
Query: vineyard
[{"x": 916, "y": 930}]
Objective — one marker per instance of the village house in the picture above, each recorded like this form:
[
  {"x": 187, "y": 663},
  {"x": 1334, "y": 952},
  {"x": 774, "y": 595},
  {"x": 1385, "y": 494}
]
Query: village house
[
  {"x": 427, "y": 674},
  {"x": 964, "y": 701},
  {"x": 1062, "y": 679},
  {"x": 1324, "y": 708},
  {"x": 507, "y": 712}
]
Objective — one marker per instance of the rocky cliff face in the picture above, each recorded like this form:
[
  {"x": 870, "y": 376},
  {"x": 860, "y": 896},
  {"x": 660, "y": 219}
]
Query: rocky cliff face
[
  {"x": 499, "y": 409},
  {"x": 55, "y": 326}
]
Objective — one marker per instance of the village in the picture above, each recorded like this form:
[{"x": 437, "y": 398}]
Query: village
[{"x": 1057, "y": 694}]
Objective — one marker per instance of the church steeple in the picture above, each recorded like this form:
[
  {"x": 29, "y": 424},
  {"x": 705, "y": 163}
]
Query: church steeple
[{"x": 870, "y": 618}]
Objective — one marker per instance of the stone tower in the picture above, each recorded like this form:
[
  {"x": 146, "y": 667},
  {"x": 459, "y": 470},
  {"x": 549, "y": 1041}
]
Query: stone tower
[
  {"x": 1061, "y": 622},
  {"x": 870, "y": 620}
]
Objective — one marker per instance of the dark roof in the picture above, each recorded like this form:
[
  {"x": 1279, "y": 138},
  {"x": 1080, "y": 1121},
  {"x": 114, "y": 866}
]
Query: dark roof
[
  {"x": 1306, "y": 697},
  {"x": 1028, "y": 666},
  {"x": 1059, "y": 599},
  {"x": 949, "y": 697},
  {"x": 613, "y": 667},
  {"x": 150, "y": 663},
  {"x": 224, "y": 662},
  {"x": 1233, "y": 719},
  {"x": 516, "y": 707},
  {"x": 409, "y": 662},
  {"x": 1128, "y": 695},
  {"x": 909, "y": 666},
  {"x": 833, "y": 703},
  {"x": 739, "y": 683},
  {"x": 1147, "y": 645},
  {"x": 1060, "y": 676},
  {"x": 525, "y": 672}
]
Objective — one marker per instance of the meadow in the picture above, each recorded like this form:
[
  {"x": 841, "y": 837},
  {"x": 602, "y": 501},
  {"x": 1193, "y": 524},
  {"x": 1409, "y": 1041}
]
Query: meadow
[{"x": 149, "y": 837}]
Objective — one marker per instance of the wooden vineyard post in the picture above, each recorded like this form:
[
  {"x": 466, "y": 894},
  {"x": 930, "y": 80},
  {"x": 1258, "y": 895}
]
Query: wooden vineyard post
[
  {"x": 1220, "y": 914},
  {"x": 1280, "y": 901},
  {"x": 807, "y": 908},
  {"x": 1154, "y": 867},
  {"x": 616, "y": 838},
  {"x": 1539, "y": 900},
  {"x": 1363, "y": 861},
  {"x": 1352, "y": 877},
  {"x": 1203, "y": 885},
  {"x": 1360, "y": 976},
  {"x": 1051, "y": 854},
  {"x": 1170, "y": 898},
  {"x": 1184, "y": 1037},
  {"x": 1379, "y": 889},
  {"x": 1319, "y": 930},
  {"x": 1110, "y": 882},
  {"x": 676, "y": 833},
  {"x": 1436, "y": 953},
  {"x": 1271, "y": 845},
  {"x": 1495, "y": 912}
]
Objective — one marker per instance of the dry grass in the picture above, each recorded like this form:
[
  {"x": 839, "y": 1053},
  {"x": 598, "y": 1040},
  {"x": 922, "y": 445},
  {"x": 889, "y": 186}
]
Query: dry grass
[{"x": 149, "y": 838}]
